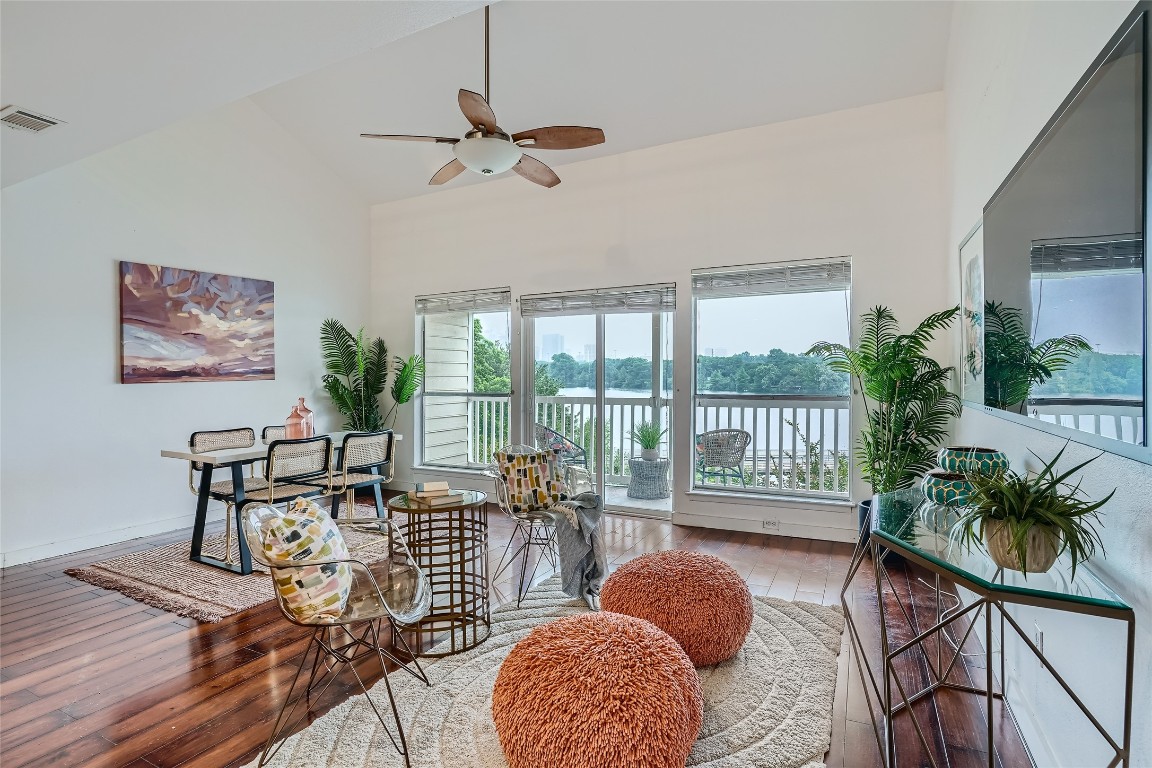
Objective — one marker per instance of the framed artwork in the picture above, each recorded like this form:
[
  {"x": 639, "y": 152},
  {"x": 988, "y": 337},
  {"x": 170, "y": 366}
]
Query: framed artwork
[
  {"x": 185, "y": 325},
  {"x": 972, "y": 316}
]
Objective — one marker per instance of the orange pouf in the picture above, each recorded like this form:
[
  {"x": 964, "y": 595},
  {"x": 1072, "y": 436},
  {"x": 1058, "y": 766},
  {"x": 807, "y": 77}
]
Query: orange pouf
[
  {"x": 597, "y": 690},
  {"x": 697, "y": 599}
]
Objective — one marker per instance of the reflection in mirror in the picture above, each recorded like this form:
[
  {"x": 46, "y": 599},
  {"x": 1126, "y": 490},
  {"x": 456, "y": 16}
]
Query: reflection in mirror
[{"x": 1064, "y": 279}]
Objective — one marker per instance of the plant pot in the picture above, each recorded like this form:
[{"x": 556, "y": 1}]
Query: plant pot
[
  {"x": 862, "y": 511},
  {"x": 1041, "y": 548},
  {"x": 650, "y": 454},
  {"x": 971, "y": 459},
  {"x": 947, "y": 488}
]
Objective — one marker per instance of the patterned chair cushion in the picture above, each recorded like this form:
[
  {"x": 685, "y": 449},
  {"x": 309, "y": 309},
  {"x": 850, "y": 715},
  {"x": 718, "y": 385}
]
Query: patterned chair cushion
[
  {"x": 535, "y": 480},
  {"x": 314, "y": 594}
]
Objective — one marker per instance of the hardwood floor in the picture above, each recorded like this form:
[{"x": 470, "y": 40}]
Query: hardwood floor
[{"x": 91, "y": 678}]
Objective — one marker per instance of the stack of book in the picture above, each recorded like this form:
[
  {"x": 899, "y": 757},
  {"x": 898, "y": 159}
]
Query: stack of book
[{"x": 435, "y": 494}]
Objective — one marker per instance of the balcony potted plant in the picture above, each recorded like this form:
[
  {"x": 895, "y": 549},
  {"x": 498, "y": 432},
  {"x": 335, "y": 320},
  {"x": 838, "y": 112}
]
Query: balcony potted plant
[
  {"x": 649, "y": 434},
  {"x": 907, "y": 403},
  {"x": 1026, "y": 521}
]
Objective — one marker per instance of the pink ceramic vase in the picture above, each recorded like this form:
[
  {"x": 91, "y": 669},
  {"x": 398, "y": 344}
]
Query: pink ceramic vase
[{"x": 294, "y": 425}]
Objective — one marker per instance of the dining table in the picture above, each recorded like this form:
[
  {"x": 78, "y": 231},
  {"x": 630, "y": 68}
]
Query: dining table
[{"x": 234, "y": 459}]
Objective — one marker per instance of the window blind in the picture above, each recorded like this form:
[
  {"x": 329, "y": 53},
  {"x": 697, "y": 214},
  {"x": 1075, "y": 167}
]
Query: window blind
[
  {"x": 635, "y": 298},
  {"x": 486, "y": 300},
  {"x": 769, "y": 279},
  {"x": 1077, "y": 256}
]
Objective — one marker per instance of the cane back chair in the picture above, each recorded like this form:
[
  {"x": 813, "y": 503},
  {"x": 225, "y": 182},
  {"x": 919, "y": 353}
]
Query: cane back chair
[
  {"x": 720, "y": 453},
  {"x": 365, "y": 460},
  {"x": 388, "y": 593},
  {"x": 223, "y": 490},
  {"x": 294, "y": 468},
  {"x": 535, "y": 526}
]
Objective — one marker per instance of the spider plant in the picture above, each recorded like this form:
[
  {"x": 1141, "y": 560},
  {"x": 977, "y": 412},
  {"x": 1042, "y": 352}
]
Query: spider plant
[
  {"x": 648, "y": 434},
  {"x": 1022, "y": 506},
  {"x": 906, "y": 398},
  {"x": 357, "y": 374},
  {"x": 1012, "y": 364}
]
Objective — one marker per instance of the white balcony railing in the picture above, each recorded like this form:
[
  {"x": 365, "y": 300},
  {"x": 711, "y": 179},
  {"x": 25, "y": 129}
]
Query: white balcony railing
[
  {"x": 800, "y": 444},
  {"x": 1117, "y": 419}
]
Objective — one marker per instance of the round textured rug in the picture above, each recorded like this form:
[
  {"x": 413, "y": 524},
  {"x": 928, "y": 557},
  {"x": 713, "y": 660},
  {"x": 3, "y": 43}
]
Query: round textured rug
[{"x": 769, "y": 707}]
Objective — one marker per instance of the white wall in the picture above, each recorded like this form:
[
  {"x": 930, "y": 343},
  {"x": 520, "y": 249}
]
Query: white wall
[
  {"x": 866, "y": 182},
  {"x": 229, "y": 192},
  {"x": 1010, "y": 66}
]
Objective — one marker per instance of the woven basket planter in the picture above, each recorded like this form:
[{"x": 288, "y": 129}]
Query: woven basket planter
[{"x": 1042, "y": 546}]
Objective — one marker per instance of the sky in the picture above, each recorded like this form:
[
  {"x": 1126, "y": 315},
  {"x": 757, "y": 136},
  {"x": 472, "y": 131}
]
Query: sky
[{"x": 753, "y": 324}]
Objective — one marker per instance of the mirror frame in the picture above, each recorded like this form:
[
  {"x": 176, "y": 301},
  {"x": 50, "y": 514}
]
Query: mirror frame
[{"x": 1137, "y": 452}]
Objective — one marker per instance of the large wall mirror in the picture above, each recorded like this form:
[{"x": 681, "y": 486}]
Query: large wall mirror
[{"x": 1055, "y": 288}]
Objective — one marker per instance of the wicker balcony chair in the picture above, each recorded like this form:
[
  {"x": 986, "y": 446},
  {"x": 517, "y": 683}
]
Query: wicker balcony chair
[
  {"x": 570, "y": 453},
  {"x": 385, "y": 596},
  {"x": 535, "y": 528},
  {"x": 365, "y": 461},
  {"x": 223, "y": 490},
  {"x": 720, "y": 453},
  {"x": 294, "y": 468}
]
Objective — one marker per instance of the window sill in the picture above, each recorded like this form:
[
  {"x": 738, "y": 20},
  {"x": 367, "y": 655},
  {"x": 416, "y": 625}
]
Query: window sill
[{"x": 771, "y": 500}]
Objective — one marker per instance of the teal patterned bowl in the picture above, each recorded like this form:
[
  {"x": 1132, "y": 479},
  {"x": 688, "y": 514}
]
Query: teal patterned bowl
[
  {"x": 948, "y": 488},
  {"x": 971, "y": 459}
]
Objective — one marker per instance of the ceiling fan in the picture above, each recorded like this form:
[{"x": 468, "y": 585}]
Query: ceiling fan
[{"x": 488, "y": 149}]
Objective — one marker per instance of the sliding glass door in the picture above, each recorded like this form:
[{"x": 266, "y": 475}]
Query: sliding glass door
[{"x": 598, "y": 377}]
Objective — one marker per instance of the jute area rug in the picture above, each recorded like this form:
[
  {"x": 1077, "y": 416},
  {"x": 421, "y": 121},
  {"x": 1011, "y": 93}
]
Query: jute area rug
[
  {"x": 769, "y": 707},
  {"x": 164, "y": 577}
]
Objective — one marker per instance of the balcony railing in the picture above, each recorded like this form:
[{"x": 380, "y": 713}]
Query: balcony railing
[
  {"x": 1108, "y": 417},
  {"x": 799, "y": 446}
]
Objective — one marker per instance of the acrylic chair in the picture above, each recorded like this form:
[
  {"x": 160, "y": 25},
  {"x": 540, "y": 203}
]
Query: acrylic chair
[
  {"x": 365, "y": 461},
  {"x": 223, "y": 490},
  {"x": 720, "y": 453},
  {"x": 388, "y": 588},
  {"x": 535, "y": 528}
]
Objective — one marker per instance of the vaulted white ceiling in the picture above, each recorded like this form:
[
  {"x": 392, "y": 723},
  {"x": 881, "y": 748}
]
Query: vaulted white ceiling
[
  {"x": 648, "y": 73},
  {"x": 115, "y": 70}
]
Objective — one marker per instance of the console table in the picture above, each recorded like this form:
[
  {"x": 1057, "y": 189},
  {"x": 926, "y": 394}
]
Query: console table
[{"x": 906, "y": 524}]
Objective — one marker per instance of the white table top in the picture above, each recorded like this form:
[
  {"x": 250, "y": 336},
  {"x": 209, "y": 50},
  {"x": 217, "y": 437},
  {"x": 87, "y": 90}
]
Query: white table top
[{"x": 227, "y": 456}]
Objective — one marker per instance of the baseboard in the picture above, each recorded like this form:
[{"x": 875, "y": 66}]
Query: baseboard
[
  {"x": 100, "y": 539},
  {"x": 799, "y": 530}
]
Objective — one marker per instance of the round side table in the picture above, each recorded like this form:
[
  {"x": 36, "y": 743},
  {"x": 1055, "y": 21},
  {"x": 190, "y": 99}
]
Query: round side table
[
  {"x": 450, "y": 544},
  {"x": 649, "y": 479}
]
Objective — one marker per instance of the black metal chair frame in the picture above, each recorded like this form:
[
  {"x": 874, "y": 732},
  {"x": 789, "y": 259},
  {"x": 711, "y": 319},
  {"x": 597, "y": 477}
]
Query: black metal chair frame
[
  {"x": 231, "y": 506},
  {"x": 384, "y": 472}
]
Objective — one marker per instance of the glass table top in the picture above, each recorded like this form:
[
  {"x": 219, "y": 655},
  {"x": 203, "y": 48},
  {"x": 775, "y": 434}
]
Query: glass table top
[
  {"x": 907, "y": 520},
  {"x": 471, "y": 499}
]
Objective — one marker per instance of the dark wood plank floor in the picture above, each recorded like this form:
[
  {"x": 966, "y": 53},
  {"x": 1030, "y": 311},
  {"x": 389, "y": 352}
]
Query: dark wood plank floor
[{"x": 91, "y": 678}]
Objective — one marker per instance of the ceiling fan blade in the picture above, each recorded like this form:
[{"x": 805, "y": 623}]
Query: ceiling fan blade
[
  {"x": 447, "y": 173},
  {"x": 536, "y": 172},
  {"x": 404, "y": 137},
  {"x": 477, "y": 111},
  {"x": 560, "y": 137}
]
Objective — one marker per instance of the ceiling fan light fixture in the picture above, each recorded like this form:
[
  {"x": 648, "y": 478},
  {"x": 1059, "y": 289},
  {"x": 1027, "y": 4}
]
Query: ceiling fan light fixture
[{"x": 487, "y": 155}]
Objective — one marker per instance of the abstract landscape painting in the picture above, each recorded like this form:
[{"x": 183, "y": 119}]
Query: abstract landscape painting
[{"x": 184, "y": 325}]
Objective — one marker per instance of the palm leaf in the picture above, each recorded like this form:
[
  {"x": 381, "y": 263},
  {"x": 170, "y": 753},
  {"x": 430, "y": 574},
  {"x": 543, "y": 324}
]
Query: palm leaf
[{"x": 409, "y": 378}]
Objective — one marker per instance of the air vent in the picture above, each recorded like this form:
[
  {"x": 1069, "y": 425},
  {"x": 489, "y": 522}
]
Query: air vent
[{"x": 23, "y": 120}]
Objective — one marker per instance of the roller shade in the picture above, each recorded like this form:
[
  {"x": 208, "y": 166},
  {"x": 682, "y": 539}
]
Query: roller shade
[
  {"x": 487, "y": 300},
  {"x": 768, "y": 279},
  {"x": 1083, "y": 255},
  {"x": 635, "y": 298}
]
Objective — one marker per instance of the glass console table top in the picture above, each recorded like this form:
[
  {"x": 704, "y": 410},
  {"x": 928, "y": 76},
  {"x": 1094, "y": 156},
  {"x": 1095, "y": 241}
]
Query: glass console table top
[{"x": 907, "y": 521}]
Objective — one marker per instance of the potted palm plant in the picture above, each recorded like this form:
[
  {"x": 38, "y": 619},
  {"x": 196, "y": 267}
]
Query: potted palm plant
[
  {"x": 907, "y": 402},
  {"x": 1026, "y": 521},
  {"x": 649, "y": 434},
  {"x": 357, "y": 374},
  {"x": 1013, "y": 365}
]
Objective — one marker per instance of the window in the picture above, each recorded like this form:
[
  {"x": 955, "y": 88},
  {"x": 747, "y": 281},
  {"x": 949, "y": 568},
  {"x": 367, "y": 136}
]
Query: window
[
  {"x": 468, "y": 379},
  {"x": 788, "y": 412}
]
